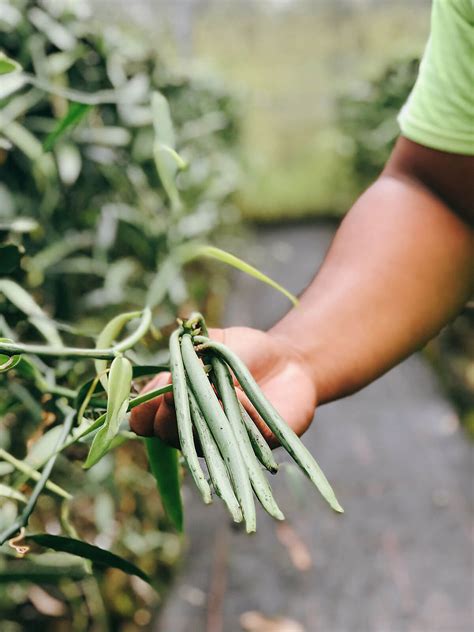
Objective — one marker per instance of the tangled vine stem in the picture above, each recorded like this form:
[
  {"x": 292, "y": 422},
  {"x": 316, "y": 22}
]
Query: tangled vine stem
[
  {"x": 44, "y": 351},
  {"x": 140, "y": 331},
  {"x": 97, "y": 98}
]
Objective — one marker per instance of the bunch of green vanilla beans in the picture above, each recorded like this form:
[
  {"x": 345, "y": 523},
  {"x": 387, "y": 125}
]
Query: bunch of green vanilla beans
[{"x": 233, "y": 447}]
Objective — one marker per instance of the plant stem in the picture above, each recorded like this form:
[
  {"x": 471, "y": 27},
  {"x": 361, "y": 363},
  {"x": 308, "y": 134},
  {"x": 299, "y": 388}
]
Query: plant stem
[
  {"x": 61, "y": 391},
  {"x": 97, "y": 98},
  {"x": 31, "y": 473},
  {"x": 22, "y": 467},
  {"x": 133, "y": 403},
  {"x": 139, "y": 332},
  {"x": 17, "y": 348}
]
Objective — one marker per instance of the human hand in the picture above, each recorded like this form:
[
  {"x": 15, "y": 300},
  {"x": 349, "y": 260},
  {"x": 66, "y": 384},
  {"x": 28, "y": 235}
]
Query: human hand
[{"x": 281, "y": 372}]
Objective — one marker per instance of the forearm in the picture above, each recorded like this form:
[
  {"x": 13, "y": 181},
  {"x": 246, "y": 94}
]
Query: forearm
[{"x": 400, "y": 267}]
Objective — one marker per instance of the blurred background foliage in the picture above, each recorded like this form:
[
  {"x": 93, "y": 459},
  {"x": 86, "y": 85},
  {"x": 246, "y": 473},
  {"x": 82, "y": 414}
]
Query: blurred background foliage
[
  {"x": 91, "y": 223},
  {"x": 292, "y": 61},
  {"x": 98, "y": 198},
  {"x": 283, "y": 110}
]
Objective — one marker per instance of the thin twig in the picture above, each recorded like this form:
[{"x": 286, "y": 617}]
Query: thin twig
[{"x": 31, "y": 473}]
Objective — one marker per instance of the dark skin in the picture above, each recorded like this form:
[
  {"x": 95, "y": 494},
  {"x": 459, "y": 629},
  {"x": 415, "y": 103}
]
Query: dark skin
[
  {"x": 400, "y": 267},
  {"x": 449, "y": 176}
]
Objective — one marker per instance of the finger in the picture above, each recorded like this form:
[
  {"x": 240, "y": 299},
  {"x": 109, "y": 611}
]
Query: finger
[
  {"x": 216, "y": 334},
  {"x": 142, "y": 417},
  {"x": 220, "y": 335},
  {"x": 296, "y": 408},
  {"x": 165, "y": 425},
  {"x": 164, "y": 422}
]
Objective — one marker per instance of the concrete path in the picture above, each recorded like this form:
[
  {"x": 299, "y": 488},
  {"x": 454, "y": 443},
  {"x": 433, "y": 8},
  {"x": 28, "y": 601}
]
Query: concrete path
[{"x": 399, "y": 560}]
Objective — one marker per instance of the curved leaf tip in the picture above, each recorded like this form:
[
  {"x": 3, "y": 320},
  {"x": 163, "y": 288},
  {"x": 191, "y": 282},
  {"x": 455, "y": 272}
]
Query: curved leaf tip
[{"x": 235, "y": 262}]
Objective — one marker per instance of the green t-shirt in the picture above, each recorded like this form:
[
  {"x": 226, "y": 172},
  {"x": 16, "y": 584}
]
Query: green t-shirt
[{"x": 439, "y": 112}]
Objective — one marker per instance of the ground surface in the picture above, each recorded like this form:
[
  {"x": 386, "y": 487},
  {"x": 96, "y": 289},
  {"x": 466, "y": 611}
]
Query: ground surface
[{"x": 400, "y": 559}]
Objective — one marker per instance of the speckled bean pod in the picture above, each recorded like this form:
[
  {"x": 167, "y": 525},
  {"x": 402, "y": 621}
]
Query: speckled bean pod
[
  {"x": 287, "y": 437},
  {"x": 220, "y": 429}
]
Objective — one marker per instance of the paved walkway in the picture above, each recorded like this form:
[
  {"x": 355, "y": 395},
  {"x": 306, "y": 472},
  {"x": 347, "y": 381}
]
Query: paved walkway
[{"x": 399, "y": 560}]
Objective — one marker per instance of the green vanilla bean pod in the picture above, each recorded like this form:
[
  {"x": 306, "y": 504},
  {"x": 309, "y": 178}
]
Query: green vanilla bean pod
[
  {"x": 183, "y": 417},
  {"x": 221, "y": 430},
  {"x": 215, "y": 463},
  {"x": 261, "y": 448},
  {"x": 288, "y": 439},
  {"x": 262, "y": 489}
]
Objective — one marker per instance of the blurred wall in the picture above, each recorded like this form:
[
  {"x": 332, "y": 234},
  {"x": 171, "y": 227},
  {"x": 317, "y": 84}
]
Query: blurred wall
[{"x": 290, "y": 60}]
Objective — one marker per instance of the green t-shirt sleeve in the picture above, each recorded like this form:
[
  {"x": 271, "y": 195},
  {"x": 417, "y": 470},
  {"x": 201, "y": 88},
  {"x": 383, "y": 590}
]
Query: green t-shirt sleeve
[{"x": 439, "y": 112}]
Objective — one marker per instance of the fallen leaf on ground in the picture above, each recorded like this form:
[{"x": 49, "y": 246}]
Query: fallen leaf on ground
[
  {"x": 297, "y": 550},
  {"x": 253, "y": 621}
]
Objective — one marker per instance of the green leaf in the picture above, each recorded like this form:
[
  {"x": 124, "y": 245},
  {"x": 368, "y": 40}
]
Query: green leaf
[
  {"x": 43, "y": 448},
  {"x": 120, "y": 381},
  {"x": 57, "y": 251},
  {"x": 25, "y": 303},
  {"x": 164, "y": 465},
  {"x": 137, "y": 372},
  {"x": 11, "y": 83},
  {"x": 162, "y": 122},
  {"x": 105, "y": 339},
  {"x": 87, "y": 427},
  {"x": 232, "y": 260},
  {"x": 10, "y": 256},
  {"x": 73, "y": 116},
  {"x": 69, "y": 162},
  {"x": 57, "y": 33},
  {"x": 167, "y": 160},
  {"x": 75, "y": 113},
  {"x": 160, "y": 283},
  {"x": 98, "y": 556},
  {"x": 8, "y": 492},
  {"x": 8, "y": 362},
  {"x": 7, "y": 64},
  {"x": 29, "y": 371},
  {"x": 24, "y": 140}
]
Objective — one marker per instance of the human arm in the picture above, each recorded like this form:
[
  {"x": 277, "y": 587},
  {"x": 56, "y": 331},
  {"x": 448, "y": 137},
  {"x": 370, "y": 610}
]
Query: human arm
[{"x": 399, "y": 268}]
